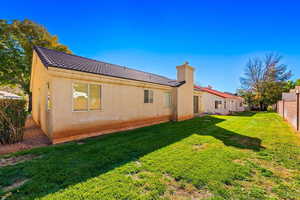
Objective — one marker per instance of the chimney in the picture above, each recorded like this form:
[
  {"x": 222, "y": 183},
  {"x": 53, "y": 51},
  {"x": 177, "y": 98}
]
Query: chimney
[
  {"x": 209, "y": 87},
  {"x": 184, "y": 94},
  {"x": 185, "y": 73}
]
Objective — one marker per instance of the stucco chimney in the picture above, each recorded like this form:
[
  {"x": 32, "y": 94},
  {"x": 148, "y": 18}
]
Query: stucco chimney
[
  {"x": 185, "y": 73},
  {"x": 184, "y": 93}
]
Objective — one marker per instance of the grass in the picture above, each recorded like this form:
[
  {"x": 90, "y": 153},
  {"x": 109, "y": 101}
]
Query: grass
[{"x": 247, "y": 156}]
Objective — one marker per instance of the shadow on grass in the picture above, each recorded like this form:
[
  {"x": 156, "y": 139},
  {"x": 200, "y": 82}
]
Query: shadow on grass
[
  {"x": 64, "y": 165},
  {"x": 244, "y": 114}
]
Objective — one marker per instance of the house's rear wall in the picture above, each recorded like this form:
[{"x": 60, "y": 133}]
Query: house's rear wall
[{"x": 122, "y": 105}]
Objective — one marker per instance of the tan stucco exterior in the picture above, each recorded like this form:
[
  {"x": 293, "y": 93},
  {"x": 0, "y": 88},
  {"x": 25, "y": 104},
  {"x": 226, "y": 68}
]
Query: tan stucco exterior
[
  {"x": 208, "y": 104},
  {"x": 122, "y": 102}
]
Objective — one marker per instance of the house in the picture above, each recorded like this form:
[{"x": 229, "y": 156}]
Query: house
[
  {"x": 75, "y": 97},
  {"x": 216, "y": 102}
]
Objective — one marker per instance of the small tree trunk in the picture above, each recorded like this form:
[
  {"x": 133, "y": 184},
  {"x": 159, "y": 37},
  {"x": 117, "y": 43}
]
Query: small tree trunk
[
  {"x": 261, "y": 106},
  {"x": 29, "y": 102}
]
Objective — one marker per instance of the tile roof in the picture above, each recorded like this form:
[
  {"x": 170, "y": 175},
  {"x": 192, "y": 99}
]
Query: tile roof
[
  {"x": 216, "y": 92},
  {"x": 53, "y": 58}
]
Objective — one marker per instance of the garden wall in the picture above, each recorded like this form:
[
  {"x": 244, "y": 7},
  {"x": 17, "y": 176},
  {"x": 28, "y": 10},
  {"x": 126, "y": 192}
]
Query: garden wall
[{"x": 288, "y": 108}]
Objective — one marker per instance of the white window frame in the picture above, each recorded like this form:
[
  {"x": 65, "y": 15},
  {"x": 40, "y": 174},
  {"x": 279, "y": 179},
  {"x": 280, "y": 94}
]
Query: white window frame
[{"x": 88, "y": 103}]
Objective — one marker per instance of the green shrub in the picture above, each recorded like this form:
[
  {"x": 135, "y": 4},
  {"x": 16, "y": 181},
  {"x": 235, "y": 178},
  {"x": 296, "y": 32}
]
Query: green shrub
[
  {"x": 270, "y": 109},
  {"x": 12, "y": 120}
]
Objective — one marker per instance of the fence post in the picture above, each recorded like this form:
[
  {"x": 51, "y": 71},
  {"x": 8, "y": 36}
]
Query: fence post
[
  {"x": 283, "y": 108},
  {"x": 297, "y": 110}
]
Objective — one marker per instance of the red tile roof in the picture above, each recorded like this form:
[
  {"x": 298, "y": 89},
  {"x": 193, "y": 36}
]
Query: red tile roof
[{"x": 215, "y": 92}]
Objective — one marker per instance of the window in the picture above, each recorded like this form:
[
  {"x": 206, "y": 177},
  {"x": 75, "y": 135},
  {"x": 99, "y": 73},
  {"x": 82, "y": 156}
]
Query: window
[
  {"x": 224, "y": 104},
  {"x": 148, "y": 96},
  {"x": 86, "y": 97},
  {"x": 80, "y": 96},
  {"x": 168, "y": 99},
  {"x": 94, "y": 97},
  {"x": 241, "y": 104},
  {"x": 217, "y": 103}
]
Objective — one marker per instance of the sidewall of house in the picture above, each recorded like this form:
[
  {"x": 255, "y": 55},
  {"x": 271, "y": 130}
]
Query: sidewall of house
[
  {"x": 121, "y": 105},
  {"x": 39, "y": 89}
]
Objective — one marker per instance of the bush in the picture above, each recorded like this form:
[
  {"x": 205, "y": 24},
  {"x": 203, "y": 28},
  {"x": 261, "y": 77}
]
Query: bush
[
  {"x": 270, "y": 109},
  {"x": 12, "y": 120}
]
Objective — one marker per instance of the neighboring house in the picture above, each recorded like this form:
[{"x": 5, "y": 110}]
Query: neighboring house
[
  {"x": 8, "y": 95},
  {"x": 216, "y": 102},
  {"x": 75, "y": 97}
]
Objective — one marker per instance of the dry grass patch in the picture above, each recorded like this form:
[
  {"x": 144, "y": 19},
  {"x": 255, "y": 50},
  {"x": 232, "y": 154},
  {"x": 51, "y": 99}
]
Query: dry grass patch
[
  {"x": 16, "y": 160},
  {"x": 179, "y": 190},
  {"x": 277, "y": 170},
  {"x": 15, "y": 185},
  {"x": 198, "y": 147}
]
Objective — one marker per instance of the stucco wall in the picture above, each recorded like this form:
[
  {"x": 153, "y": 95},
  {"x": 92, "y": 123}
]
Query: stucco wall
[
  {"x": 208, "y": 103},
  {"x": 200, "y": 101},
  {"x": 39, "y": 91},
  {"x": 290, "y": 112},
  {"x": 235, "y": 105},
  {"x": 121, "y": 103}
]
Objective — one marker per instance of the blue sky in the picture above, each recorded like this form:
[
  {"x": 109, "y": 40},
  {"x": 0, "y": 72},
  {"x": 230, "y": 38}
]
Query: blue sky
[{"x": 216, "y": 37}]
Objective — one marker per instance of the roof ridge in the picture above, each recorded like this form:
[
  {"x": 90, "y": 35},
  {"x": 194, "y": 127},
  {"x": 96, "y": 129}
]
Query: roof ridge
[{"x": 117, "y": 65}]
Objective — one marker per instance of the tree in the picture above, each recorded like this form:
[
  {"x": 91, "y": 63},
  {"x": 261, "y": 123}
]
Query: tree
[
  {"x": 265, "y": 79},
  {"x": 17, "y": 39}
]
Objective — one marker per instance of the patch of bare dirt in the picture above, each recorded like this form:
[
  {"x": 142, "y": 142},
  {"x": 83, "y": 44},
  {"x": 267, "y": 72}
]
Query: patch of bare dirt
[
  {"x": 178, "y": 190},
  {"x": 238, "y": 161},
  {"x": 15, "y": 160},
  {"x": 199, "y": 147},
  {"x": 33, "y": 137},
  {"x": 15, "y": 185},
  {"x": 278, "y": 170}
]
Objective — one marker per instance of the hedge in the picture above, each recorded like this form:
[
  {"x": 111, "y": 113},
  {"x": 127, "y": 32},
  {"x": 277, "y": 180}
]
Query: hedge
[{"x": 12, "y": 120}]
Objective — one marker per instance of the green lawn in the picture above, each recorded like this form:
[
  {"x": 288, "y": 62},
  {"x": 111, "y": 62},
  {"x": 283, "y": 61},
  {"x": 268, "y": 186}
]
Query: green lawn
[{"x": 247, "y": 156}]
